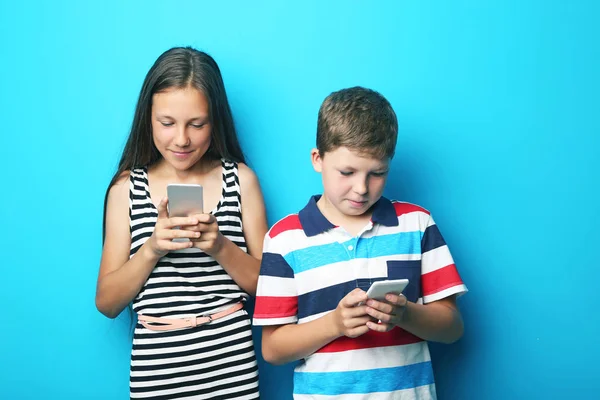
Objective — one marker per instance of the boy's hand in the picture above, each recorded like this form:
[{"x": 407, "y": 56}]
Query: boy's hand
[
  {"x": 350, "y": 319},
  {"x": 390, "y": 312}
]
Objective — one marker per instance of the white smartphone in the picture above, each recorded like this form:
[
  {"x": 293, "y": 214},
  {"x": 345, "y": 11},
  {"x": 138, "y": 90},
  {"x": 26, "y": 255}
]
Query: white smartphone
[
  {"x": 185, "y": 199},
  {"x": 379, "y": 289}
]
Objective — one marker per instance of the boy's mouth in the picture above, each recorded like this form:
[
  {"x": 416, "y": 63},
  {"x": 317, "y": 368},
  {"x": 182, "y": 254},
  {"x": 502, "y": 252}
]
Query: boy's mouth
[{"x": 357, "y": 204}]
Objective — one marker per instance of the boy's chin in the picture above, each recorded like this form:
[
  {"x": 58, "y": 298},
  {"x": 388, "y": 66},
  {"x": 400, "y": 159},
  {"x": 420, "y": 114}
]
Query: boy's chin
[{"x": 354, "y": 211}]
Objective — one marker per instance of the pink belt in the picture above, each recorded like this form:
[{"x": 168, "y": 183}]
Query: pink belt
[{"x": 167, "y": 324}]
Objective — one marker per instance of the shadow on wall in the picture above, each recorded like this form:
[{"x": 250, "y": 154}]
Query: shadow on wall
[
  {"x": 276, "y": 381},
  {"x": 410, "y": 161}
]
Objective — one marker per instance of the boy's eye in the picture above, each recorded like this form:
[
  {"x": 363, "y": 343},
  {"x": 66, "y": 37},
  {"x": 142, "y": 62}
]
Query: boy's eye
[
  {"x": 378, "y": 173},
  {"x": 165, "y": 123},
  {"x": 346, "y": 173}
]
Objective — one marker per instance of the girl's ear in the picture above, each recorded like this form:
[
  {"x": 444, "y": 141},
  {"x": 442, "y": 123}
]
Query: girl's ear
[{"x": 316, "y": 160}]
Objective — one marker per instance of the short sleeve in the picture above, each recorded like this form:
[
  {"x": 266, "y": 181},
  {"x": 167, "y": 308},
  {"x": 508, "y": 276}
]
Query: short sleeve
[
  {"x": 276, "y": 293},
  {"x": 439, "y": 275}
]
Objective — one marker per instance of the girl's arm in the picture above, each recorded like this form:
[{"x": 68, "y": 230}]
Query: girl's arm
[
  {"x": 244, "y": 267},
  {"x": 120, "y": 279}
]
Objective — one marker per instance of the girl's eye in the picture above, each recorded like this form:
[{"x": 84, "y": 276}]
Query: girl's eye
[
  {"x": 166, "y": 123},
  {"x": 197, "y": 126}
]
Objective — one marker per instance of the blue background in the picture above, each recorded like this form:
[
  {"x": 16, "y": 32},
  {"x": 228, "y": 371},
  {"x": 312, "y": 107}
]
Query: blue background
[{"x": 499, "y": 137}]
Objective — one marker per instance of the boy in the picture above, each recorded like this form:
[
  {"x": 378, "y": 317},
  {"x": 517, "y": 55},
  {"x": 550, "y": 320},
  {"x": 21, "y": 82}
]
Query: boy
[{"x": 318, "y": 264}]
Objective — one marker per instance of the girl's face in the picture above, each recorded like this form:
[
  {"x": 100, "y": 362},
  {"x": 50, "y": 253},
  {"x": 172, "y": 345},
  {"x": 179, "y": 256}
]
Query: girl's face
[{"x": 181, "y": 126}]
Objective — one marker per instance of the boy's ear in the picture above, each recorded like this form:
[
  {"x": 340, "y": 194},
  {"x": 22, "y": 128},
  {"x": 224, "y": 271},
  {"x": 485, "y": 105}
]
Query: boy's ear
[{"x": 316, "y": 159}]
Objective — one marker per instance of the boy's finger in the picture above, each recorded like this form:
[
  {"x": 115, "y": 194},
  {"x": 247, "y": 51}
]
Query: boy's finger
[
  {"x": 357, "y": 296},
  {"x": 383, "y": 317},
  {"x": 384, "y": 307},
  {"x": 374, "y": 326},
  {"x": 355, "y": 322},
  {"x": 398, "y": 300},
  {"x": 354, "y": 297},
  {"x": 356, "y": 312},
  {"x": 358, "y": 331}
]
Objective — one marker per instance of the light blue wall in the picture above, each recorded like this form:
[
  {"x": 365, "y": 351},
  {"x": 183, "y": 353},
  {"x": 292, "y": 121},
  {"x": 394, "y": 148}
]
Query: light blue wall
[{"x": 498, "y": 108}]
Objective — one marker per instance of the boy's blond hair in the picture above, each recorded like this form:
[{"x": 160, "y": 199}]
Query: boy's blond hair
[{"x": 360, "y": 119}]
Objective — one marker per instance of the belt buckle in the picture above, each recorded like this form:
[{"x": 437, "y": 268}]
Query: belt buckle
[
  {"x": 191, "y": 322},
  {"x": 209, "y": 319}
]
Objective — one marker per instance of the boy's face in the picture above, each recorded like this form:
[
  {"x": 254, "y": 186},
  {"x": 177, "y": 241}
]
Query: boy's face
[{"x": 352, "y": 181}]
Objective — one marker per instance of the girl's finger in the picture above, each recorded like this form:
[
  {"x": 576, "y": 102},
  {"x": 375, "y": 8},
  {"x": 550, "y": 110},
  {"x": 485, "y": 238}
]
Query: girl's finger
[
  {"x": 172, "y": 246},
  {"x": 180, "y": 221},
  {"x": 162, "y": 208},
  {"x": 180, "y": 233},
  {"x": 206, "y": 218}
]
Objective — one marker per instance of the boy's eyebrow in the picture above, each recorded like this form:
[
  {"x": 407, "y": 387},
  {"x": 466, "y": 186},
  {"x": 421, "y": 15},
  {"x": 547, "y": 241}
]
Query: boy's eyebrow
[{"x": 381, "y": 169}]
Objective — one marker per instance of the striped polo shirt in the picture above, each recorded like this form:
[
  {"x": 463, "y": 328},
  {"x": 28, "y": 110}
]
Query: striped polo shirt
[{"x": 309, "y": 265}]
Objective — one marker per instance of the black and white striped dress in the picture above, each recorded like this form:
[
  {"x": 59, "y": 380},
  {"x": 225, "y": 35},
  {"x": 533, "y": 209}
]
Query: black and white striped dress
[{"x": 213, "y": 361}]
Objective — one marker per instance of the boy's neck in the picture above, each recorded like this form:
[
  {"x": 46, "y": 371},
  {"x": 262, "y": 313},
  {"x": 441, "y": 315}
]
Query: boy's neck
[{"x": 353, "y": 224}]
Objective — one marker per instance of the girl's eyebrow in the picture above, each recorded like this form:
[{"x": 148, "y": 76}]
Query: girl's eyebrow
[{"x": 202, "y": 118}]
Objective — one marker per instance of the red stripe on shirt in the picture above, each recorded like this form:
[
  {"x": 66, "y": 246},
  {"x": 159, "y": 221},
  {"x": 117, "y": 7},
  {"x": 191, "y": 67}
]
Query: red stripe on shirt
[
  {"x": 289, "y": 223},
  {"x": 395, "y": 337},
  {"x": 275, "y": 307},
  {"x": 405, "y": 208},
  {"x": 440, "y": 279}
]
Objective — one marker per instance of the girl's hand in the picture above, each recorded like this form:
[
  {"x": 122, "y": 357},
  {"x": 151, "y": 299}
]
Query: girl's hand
[
  {"x": 161, "y": 241},
  {"x": 210, "y": 238},
  {"x": 390, "y": 312}
]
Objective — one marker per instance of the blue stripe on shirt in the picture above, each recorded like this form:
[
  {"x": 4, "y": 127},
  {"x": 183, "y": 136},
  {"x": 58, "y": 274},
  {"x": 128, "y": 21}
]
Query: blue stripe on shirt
[
  {"x": 273, "y": 264},
  {"x": 363, "y": 381},
  {"x": 328, "y": 298},
  {"x": 385, "y": 245},
  {"x": 432, "y": 239}
]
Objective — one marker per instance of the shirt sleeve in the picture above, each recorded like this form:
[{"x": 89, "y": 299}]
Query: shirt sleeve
[
  {"x": 276, "y": 293},
  {"x": 439, "y": 275}
]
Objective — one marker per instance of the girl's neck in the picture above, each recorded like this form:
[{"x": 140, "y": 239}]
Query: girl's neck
[{"x": 165, "y": 171}]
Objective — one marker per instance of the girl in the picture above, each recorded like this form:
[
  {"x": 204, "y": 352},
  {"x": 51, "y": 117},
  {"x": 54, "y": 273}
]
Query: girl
[{"x": 193, "y": 338}]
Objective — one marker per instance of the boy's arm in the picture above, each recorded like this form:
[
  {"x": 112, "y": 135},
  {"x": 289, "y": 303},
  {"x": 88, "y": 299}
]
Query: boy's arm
[
  {"x": 285, "y": 343},
  {"x": 439, "y": 321}
]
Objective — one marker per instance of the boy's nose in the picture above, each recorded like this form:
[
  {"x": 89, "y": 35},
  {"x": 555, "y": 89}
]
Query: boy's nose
[{"x": 361, "y": 187}]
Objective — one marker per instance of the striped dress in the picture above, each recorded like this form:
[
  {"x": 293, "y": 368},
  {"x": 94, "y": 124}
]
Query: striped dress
[{"x": 213, "y": 361}]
